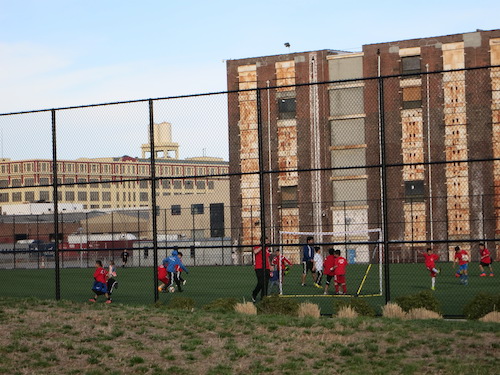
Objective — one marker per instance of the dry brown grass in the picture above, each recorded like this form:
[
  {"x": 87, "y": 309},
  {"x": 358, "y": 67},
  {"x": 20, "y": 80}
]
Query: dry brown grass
[
  {"x": 393, "y": 311},
  {"x": 309, "y": 309},
  {"x": 421, "y": 313},
  {"x": 492, "y": 317},
  {"x": 247, "y": 308},
  {"x": 347, "y": 312}
]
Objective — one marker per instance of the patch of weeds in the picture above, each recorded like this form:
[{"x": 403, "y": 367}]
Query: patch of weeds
[
  {"x": 357, "y": 304},
  {"x": 222, "y": 305},
  {"x": 220, "y": 370},
  {"x": 135, "y": 360},
  {"x": 207, "y": 351},
  {"x": 180, "y": 303},
  {"x": 190, "y": 345},
  {"x": 93, "y": 360},
  {"x": 190, "y": 357},
  {"x": 275, "y": 305},
  {"x": 257, "y": 367},
  {"x": 178, "y": 370},
  {"x": 346, "y": 352},
  {"x": 225, "y": 334},
  {"x": 425, "y": 299}
]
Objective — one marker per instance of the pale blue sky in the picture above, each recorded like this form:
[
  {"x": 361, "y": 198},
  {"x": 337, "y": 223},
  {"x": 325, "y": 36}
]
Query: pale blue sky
[{"x": 64, "y": 53}]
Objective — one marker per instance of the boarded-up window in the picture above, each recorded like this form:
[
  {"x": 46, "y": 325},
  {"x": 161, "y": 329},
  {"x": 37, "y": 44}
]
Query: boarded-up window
[
  {"x": 346, "y": 101},
  {"x": 348, "y": 132},
  {"x": 412, "y": 97},
  {"x": 289, "y": 196},
  {"x": 410, "y": 65},
  {"x": 349, "y": 192},
  {"x": 347, "y": 160}
]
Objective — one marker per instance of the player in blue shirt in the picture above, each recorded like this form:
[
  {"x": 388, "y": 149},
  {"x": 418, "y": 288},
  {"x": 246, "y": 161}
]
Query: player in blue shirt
[{"x": 307, "y": 260}]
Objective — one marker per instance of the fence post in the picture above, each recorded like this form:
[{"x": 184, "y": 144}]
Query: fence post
[
  {"x": 263, "y": 241},
  {"x": 153, "y": 197},
  {"x": 56, "y": 207},
  {"x": 383, "y": 171}
]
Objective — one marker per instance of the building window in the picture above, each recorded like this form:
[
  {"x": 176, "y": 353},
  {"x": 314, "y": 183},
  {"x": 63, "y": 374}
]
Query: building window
[
  {"x": 200, "y": 185},
  {"x": 4, "y": 197},
  {"x": 45, "y": 196},
  {"x": 143, "y": 184},
  {"x": 44, "y": 181},
  {"x": 211, "y": 185},
  {"x": 70, "y": 196},
  {"x": 29, "y": 181},
  {"x": 288, "y": 196},
  {"x": 189, "y": 171},
  {"x": 197, "y": 209},
  {"x": 28, "y": 167},
  {"x": 175, "y": 209},
  {"x": 94, "y": 196},
  {"x": 69, "y": 180},
  {"x": 82, "y": 168},
  {"x": 29, "y": 196},
  {"x": 165, "y": 184},
  {"x": 410, "y": 65},
  {"x": 16, "y": 197},
  {"x": 177, "y": 184},
  {"x": 188, "y": 184},
  {"x": 81, "y": 182},
  {"x": 414, "y": 191},
  {"x": 4, "y": 183},
  {"x": 106, "y": 185},
  {"x": 412, "y": 97},
  {"x": 106, "y": 196},
  {"x": 82, "y": 196},
  {"x": 16, "y": 182},
  {"x": 143, "y": 197},
  {"x": 287, "y": 108}
]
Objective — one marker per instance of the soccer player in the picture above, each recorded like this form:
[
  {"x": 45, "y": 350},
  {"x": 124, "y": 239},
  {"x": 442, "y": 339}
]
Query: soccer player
[
  {"x": 430, "y": 264},
  {"x": 484, "y": 260},
  {"x": 124, "y": 258},
  {"x": 173, "y": 263},
  {"x": 339, "y": 272},
  {"x": 462, "y": 258},
  {"x": 112, "y": 283},
  {"x": 307, "y": 259},
  {"x": 162, "y": 277},
  {"x": 262, "y": 274},
  {"x": 280, "y": 263},
  {"x": 100, "y": 286},
  {"x": 328, "y": 265},
  {"x": 179, "y": 269},
  {"x": 318, "y": 267}
]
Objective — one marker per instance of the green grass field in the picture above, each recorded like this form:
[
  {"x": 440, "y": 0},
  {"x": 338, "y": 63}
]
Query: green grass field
[{"x": 206, "y": 283}]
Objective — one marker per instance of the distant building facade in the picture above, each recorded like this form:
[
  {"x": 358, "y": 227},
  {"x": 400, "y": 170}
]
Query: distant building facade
[{"x": 444, "y": 117}]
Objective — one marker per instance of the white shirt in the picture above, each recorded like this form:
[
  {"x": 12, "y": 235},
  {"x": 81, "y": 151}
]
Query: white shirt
[{"x": 318, "y": 262}]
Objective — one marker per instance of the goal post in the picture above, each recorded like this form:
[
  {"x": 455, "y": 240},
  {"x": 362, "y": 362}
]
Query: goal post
[{"x": 358, "y": 249}]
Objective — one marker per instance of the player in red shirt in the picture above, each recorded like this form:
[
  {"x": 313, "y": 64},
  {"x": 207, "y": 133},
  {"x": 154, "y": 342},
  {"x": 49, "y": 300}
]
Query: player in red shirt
[
  {"x": 163, "y": 278},
  {"x": 261, "y": 274},
  {"x": 280, "y": 262},
  {"x": 484, "y": 260},
  {"x": 100, "y": 278},
  {"x": 328, "y": 265},
  {"x": 430, "y": 264},
  {"x": 339, "y": 271},
  {"x": 462, "y": 258}
]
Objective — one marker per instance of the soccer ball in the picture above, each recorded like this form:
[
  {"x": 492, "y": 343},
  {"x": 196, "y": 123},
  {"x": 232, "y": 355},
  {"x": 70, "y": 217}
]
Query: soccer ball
[{"x": 171, "y": 289}]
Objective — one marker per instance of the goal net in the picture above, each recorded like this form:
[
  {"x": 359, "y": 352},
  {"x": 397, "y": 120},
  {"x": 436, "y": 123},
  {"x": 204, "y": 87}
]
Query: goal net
[{"x": 361, "y": 248}]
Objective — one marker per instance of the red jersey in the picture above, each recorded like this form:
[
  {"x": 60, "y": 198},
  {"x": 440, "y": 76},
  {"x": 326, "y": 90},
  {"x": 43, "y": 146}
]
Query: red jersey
[
  {"x": 328, "y": 265},
  {"x": 280, "y": 262},
  {"x": 430, "y": 260},
  {"x": 258, "y": 258},
  {"x": 100, "y": 275},
  {"x": 162, "y": 272},
  {"x": 462, "y": 257},
  {"x": 485, "y": 255},
  {"x": 340, "y": 264}
]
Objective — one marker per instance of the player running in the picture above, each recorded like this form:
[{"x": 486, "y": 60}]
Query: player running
[
  {"x": 318, "y": 267},
  {"x": 328, "y": 265},
  {"x": 100, "y": 287},
  {"x": 430, "y": 264},
  {"x": 484, "y": 260},
  {"x": 462, "y": 258}
]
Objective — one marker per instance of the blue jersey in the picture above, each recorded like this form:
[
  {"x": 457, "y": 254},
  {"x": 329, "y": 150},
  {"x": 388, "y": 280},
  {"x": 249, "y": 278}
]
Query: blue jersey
[
  {"x": 307, "y": 253},
  {"x": 173, "y": 262}
]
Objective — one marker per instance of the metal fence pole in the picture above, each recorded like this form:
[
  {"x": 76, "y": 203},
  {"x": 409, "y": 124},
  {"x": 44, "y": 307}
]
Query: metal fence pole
[
  {"x": 383, "y": 176},
  {"x": 153, "y": 197},
  {"x": 263, "y": 241},
  {"x": 56, "y": 207}
]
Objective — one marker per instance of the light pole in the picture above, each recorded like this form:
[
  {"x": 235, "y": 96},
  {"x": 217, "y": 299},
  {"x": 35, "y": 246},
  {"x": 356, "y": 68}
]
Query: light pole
[{"x": 80, "y": 230}]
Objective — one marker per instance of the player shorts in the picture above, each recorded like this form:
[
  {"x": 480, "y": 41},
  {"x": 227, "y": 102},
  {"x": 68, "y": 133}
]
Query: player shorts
[
  {"x": 340, "y": 279},
  {"x": 164, "y": 280},
  {"x": 463, "y": 267},
  {"x": 99, "y": 288},
  {"x": 485, "y": 264},
  {"x": 307, "y": 266},
  {"x": 328, "y": 279},
  {"x": 432, "y": 273}
]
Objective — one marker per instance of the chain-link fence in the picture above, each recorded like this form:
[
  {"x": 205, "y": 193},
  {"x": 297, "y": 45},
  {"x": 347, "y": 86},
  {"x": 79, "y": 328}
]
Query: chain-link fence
[{"x": 379, "y": 168}]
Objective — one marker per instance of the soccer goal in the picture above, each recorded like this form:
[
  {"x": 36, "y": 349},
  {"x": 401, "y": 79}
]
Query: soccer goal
[{"x": 361, "y": 248}]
